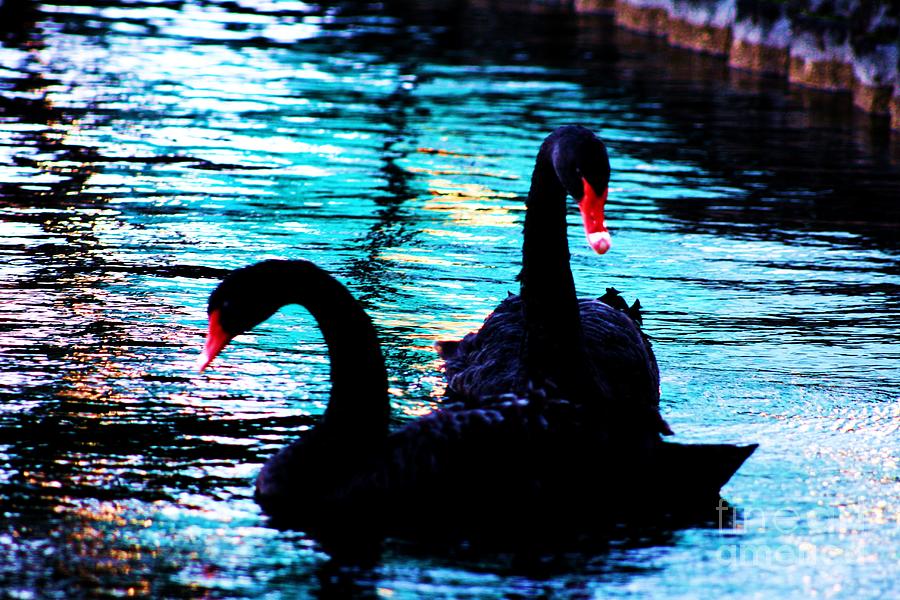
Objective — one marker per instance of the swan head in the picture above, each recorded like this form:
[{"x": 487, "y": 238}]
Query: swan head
[
  {"x": 582, "y": 166},
  {"x": 244, "y": 299}
]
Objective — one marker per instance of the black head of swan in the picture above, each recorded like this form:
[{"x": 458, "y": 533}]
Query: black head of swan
[{"x": 514, "y": 460}]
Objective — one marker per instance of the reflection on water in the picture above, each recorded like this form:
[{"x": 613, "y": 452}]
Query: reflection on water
[{"x": 145, "y": 149}]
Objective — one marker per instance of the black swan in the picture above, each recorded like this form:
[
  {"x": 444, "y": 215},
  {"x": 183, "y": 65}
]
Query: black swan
[
  {"x": 590, "y": 350},
  {"x": 515, "y": 461}
]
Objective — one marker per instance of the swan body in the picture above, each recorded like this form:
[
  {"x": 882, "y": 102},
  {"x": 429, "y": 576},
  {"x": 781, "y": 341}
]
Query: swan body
[
  {"x": 623, "y": 365},
  {"x": 535, "y": 458}
]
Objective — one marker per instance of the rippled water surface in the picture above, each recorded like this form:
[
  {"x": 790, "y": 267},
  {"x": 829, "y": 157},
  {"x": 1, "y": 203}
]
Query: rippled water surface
[{"x": 146, "y": 148}]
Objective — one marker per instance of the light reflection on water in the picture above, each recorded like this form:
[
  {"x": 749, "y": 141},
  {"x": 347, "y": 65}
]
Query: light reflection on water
[{"x": 146, "y": 149}]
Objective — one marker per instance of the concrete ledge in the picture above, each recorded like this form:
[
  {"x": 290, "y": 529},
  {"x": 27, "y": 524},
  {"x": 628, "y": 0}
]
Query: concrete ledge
[
  {"x": 708, "y": 39},
  {"x": 595, "y": 7},
  {"x": 758, "y": 58},
  {"x": 846, "y": 47},
  {"x": 830, "y": 75},
  {"x": 650, "y": 20},
  {"x": 873, "y": 99},
  {"x": 895, "y": 111}
]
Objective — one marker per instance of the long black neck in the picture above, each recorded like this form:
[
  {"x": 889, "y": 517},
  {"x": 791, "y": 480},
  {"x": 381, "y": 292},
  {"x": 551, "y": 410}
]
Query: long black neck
[
  {"x": 359, "y": 409},
  {"x": 554, "y": 347}
]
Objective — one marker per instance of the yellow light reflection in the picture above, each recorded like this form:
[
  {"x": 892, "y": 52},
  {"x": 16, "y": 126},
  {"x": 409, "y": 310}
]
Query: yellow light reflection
[
  {"x": 472, "y": 204},
  {"x": 421, "y": 259}
]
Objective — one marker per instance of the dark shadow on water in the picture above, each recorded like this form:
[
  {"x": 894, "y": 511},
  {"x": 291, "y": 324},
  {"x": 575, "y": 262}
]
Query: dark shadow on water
[
  {"x": 576, "y": 553},
  {"x": 375, "y": 276}
]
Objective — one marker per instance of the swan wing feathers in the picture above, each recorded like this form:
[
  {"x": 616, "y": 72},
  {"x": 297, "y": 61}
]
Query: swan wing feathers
[
  {"x": 489, "y": 362},
  {"x": 533, "y": 453},
  {"x": 509, "y": 448}
]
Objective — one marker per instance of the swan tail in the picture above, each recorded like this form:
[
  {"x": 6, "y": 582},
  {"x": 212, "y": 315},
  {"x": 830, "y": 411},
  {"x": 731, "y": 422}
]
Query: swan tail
[
  {"x": 703, "y": 468},
  {"x": 634, "y": 311},
  {"x": 664, "y": 427},
  {"x": 613, "y": 298}
]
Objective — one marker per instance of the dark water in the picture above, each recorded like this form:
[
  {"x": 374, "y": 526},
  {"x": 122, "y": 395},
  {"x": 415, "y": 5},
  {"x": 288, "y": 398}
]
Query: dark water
[{"x": 146, "y": 148}]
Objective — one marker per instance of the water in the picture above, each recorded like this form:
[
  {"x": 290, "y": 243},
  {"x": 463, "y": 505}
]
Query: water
[{"x": 147, "y": 148}]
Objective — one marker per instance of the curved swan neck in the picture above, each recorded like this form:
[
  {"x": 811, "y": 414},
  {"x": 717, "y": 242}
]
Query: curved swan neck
[
  {"x": 554, "y": 344},
  {"x": 545, "y": 247},
  {"x": 358, "y": 406}
]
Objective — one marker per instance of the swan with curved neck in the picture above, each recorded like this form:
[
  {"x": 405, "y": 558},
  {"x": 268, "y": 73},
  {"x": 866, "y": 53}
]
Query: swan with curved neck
[
  {"x": 251, "y": 295},
  {"x": 538, "y": 456},
  {"x": 591, "y": 350}
]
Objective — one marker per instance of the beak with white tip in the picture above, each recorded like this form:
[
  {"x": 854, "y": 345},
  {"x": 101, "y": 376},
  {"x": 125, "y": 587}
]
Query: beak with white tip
[{"x": 592, "y": 206}]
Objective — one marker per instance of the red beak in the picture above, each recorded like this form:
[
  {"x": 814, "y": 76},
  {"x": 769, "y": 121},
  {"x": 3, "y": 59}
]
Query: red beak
[
  {"x": 216, "y": 339},
  {"x": 591, "y": 206}
]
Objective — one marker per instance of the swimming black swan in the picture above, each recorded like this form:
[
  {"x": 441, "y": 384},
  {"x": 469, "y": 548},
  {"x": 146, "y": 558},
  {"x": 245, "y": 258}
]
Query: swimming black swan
[
  {"x": 590, "y": 350},
  {"x": 514, "y": 461}
]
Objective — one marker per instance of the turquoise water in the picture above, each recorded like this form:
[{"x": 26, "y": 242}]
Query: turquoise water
[{"x": 145, "y": 149}]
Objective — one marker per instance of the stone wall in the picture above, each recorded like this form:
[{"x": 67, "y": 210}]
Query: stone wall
[{"x": 843, "y": 46}]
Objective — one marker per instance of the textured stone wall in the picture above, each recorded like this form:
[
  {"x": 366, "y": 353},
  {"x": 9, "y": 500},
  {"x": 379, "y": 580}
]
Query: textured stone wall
[{"x": 849, "y": 46}]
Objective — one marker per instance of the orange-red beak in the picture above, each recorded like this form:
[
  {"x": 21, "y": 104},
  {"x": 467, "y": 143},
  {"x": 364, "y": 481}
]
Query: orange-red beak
[
  {"x": 216, "y": 339},
  {"x": 592, "y": 206}
]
